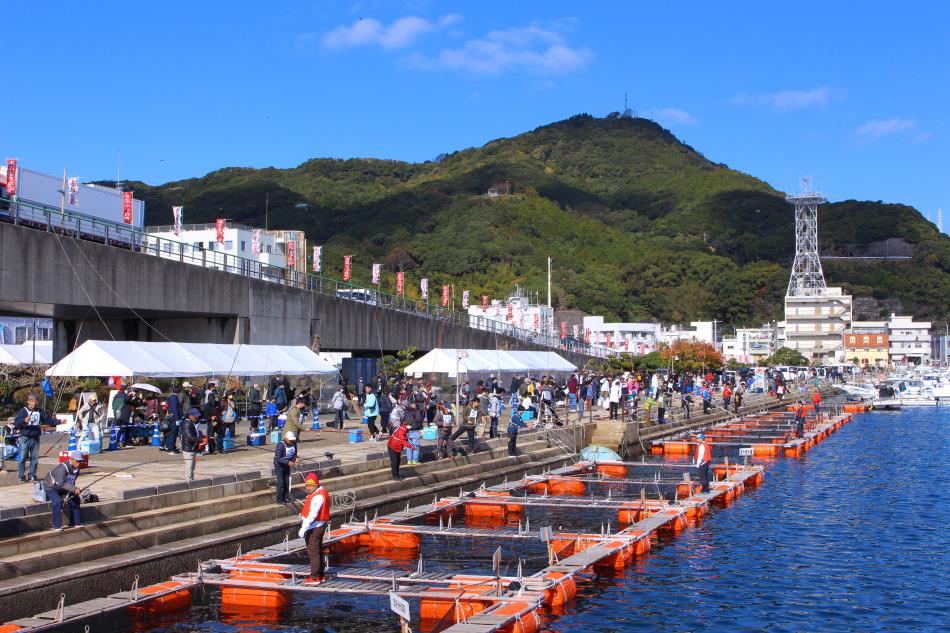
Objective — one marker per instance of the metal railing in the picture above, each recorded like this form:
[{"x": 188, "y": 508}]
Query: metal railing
[{"x": 89, "y": 228}]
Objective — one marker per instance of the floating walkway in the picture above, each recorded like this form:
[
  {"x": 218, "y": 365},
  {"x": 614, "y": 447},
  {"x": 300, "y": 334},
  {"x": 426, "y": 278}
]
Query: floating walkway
[{"x": 631, "y": 500}]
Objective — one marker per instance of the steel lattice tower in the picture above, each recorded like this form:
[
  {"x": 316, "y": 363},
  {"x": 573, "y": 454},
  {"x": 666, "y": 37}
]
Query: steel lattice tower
[{"x": 807, "y": 278}]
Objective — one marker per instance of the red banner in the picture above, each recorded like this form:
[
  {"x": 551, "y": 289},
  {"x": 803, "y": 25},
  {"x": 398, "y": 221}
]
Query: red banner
[
  {"x": 537, "y": 321},
  {"x": 626, "y": 344},
  {"x": 511, "y": 312},
  {"x": 127, "y": 207},
  {"x": 641, "y": 349},
  {"x": 608, "y": 340},
  {"x": 400, "y": 283},
  {"x": 445, "y": 296},
  {"x": 346, "y": 267},
  {"x": 219, "y": 229},
  {"x": 484, "y": 303},
  {"x": 563, "y": 329},
  {"x": 587, "y": 336},
  {"x": 11, "y": 177},
  {"x": 292, "y": 254}
]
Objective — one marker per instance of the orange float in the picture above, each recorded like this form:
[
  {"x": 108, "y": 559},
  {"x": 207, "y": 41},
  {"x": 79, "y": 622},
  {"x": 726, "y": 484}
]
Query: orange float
[
  {"x": 619, "y": 559},
  {"x": 528, "y": 623},
  {"x": 538, "y": 488},
  {"x": 380, "y": 539},
  {"x": 612, "y": 470},
  {"x": 175, "y": 601},
  {"x": 566, "y": 487},
  {"x": 656, "y": 449},
  {"x": 563, "y": 592},
  {"x": 677, "y": 448},
  {"x": 436, "y": 612},
  {"x": 9, "y": 628},
  {"x": 254, "y": 597}
]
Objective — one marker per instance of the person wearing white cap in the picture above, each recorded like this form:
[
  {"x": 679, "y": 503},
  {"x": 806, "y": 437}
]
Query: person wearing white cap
[
  {"x": 61, "y": 482},
  {"x": 90, "y": 418},
  {"x": 285, "y": 458}
]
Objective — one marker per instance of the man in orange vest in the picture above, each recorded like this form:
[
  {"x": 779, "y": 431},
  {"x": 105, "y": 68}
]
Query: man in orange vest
[
  {"x": 800, "y": 419},
  {"x": 816, "y": 400},
  {"x": 703, "y": 457},
  {"x": 315, "y": 517}
]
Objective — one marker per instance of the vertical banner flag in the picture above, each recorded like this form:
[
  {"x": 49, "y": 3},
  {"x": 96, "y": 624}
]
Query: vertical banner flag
[
  {"x": 587, "y": 336},
  {"x": 176, "y": 220},
  {"x": 484, "y": 303},
  {"x": 11, "y": 177},
  {"x": 292, "y": 254},
  {"x": 641, "y": 349},
  {"x": 465, "y": 299},
  {"x": 127, "y": 207},
  {"x": 626, "y": 344},
  {"x": 317, "y": 259},
  {"x": 445, "y": 295},
  {"x": 577, "y": 331},
  {"x": 511, "y": 312},
  {"x": 400, "y": 283},
  {"x": 74, "y": 192},
  {"x": 563, "y": 329},
  {"x": 376, "y": 269},
  {"x": 255, "y": 241},
  {"x": 608, "y": 340},
  {"x": 346, "y": 267},
  {"x": 219, "y": 228},
  {"x": 424, "y": 288},
  {"x": 537, "y": 321}
]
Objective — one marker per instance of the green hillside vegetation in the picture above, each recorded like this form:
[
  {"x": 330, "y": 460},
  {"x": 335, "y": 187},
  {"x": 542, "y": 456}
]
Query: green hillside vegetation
[{"x": 639, "y": 224}]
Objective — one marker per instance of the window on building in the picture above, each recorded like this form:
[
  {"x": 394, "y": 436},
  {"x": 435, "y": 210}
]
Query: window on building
[
  {"x": 880, "y": 339},
  {"x": 243, "y": 246},
  {"x": 198, "y": 245},
  {"x": 268, "y": 248},
  {"x": 228, "y": 245},
  {"x": 21, "y": 334},
  {"x": 852, "y": 339},
  {"x": 867, "y": 339},
  {"x": 167, "y": 247}
]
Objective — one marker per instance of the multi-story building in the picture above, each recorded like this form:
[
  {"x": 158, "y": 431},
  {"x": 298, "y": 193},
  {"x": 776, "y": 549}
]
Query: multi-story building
[
  {"x": 867, "y": 344},
  {"x": 815, "y": 324},
  {"x": 750, "y": 344},
  {"x": 698, "y": 331},
  {"x": 940, "y": 350},
  {"x": 633, "y": 338},
  {"x": 909, "y": 341},
  {"x": 19, "y": 330},
  {"x": 518, "y": 311},
  {"x": 268, "y": 251}
]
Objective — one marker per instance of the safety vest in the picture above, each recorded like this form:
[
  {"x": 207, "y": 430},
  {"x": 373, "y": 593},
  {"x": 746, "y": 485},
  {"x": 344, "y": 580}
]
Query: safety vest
[
  {"x": 703, "y": 453},
  {"x": 799, "y": 411},
  {"x": 816, "y": 398},
  {"x": 324, "y": 513}
]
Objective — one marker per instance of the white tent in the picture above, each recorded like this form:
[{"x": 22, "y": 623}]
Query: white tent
[
  {"x": 458, "y": 361},
  {"x": 25, "y": 354},
  {"x": 165, "y": 360}
]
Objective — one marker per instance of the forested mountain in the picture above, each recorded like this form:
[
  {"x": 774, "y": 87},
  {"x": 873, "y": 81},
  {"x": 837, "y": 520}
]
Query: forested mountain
[{"x": 639, "y": 224}]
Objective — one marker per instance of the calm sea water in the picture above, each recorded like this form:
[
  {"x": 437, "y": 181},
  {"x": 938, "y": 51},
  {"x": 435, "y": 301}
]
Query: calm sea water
[{"x": 852, "y": 537}]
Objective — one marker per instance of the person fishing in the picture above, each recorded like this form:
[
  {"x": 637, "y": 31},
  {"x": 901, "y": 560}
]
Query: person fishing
[
  {"x": 513, "y": 425},
  {"x": 703, "y": 457},
  {"x": 816, "y": 401},
  {"x": 315, "y": 516},
  {"x": 61, "y": 489},
  {"x": 28, "y": 423},
  {"x": 285, "y": 458},
  {"x": 800, "y": 419},
  {"x": 397, "y": 442}
]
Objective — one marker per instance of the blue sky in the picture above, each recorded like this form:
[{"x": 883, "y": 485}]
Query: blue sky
[{"x": 855, "y": 94}]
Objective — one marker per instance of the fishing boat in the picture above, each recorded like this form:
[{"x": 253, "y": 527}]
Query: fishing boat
[{"x": 897, "y": 393}]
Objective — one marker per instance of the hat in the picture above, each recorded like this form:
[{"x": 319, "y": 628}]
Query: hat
[
  {"x": 301, "y": 399},
  {"x": 93, "y": 398},
  {"x": 701, "y": 436},
  {"x": 186, "y": 384},
  {"x": 193, "y": 412},
  {"x": 75, "y": 455},
  {"x": 311, "y": 478},
  {"x": 290, "y": 435}
]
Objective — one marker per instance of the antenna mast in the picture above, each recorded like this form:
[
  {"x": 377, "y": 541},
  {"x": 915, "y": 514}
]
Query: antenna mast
[{"x": 807, "y": 278}]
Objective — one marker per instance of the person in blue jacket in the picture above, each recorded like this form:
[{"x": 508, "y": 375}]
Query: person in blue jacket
[
  {"x": 513, "y": 426},
  {"x": 28, "y": 423}
]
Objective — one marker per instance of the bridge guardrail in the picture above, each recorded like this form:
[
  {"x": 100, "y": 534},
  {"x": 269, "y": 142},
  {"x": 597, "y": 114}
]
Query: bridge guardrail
[{"x": 90, "y": 228}]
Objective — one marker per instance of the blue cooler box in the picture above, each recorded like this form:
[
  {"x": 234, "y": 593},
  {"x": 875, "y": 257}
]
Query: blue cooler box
[
  {"x": 227, "y": 444},
  {"x": 430, "y": 432},
  {"x": 356, "y": 435},
  {"x": 275, "y": 437},
  {"x": 92, "y": 447},
  {"x": 256, "y": 439},
  {"x": 527, "y": 415}
]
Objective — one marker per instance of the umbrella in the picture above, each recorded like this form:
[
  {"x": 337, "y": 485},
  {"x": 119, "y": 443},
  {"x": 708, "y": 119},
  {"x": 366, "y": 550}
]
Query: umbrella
[{"x": 146, "y": 387}]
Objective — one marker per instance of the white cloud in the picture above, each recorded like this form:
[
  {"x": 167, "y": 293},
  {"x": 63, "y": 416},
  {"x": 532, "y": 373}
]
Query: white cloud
[
  {"x": 873, "y": 130},
  {"x": 786, "y": 100},
  {"x": 671, "y": 115},
  {"x": 531, "y": 48},
  {"x": 370, "y": 32}
]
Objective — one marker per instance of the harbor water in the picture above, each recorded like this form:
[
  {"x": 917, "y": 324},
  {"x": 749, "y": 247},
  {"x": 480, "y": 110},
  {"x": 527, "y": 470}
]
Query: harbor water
[{"x": 851, "y": 537}]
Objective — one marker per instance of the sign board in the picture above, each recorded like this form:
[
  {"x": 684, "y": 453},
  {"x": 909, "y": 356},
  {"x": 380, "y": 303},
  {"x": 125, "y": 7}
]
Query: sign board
[
  {"x": 399, "y": 606},
  {"x": 745, "y": 452},
  {"x": 546, "y": 534}
]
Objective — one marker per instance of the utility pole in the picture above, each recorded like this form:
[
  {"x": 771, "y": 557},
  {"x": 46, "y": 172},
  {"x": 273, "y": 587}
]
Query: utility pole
[{"x": 266, "y": 205}]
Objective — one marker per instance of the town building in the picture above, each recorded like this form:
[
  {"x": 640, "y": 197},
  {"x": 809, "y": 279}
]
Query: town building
[
  {"x": 697, "y": 331},
  {"x": 19, "y": 330},
  {"x": 940, "y": 351},
  {"x": 751, "y": 345},
  {"x": 866, "y": 344},
  {"x": 520, "y": 310},
  {"x": 241, "y": 248},
  {"x": 909, "y": 341},
  {"x": 815, "y": 325},
  {"x": 633, "y": 338}
]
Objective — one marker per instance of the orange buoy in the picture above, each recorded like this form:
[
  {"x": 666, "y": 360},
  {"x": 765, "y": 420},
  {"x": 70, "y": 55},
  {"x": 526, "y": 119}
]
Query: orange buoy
[
  {"x": 254, "y": 597},
  {"x": 566, "y": 487},
  {"x": 677, "y": 448},
  {"x": 538, "y": 488},
  {"x": 528, "y": 623},
  {"x": 9, "y": 628},
  {"x": 438, "y": 611},
  {"x": 617, "y": 560},
  {"x": 380, "y": 539},
  {"x": 656, "y": 449},
  {"x": 563, "y": 592},
  {"x": 641, "y": 547},
  {"x": 764, "y": 450},
  {"x": 175, "y": 601},
  {"x": 676, "y": 525},
  {"x": 612, "y": 470}
]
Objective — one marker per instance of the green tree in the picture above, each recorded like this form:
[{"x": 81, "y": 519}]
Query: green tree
[{"x": 787, "y": 356}]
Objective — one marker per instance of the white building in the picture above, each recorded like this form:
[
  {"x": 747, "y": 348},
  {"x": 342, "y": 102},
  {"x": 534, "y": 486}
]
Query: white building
[
  {"x": 517, "y": 311},
  {"x": 909, "y": 340},
  {"x": 697, "y": 332},
  {"x": 633, "y": 338},
  {"x": 815, "y": 325},
  {"x": 199, "y": 243},
  {"x": 749, "y": 345}
]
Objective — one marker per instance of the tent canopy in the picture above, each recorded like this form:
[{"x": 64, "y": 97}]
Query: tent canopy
[
  {"x": 478, "y": 361},
  {"x": 167, "y": 360},
  {"x": 24, "y": 354}
]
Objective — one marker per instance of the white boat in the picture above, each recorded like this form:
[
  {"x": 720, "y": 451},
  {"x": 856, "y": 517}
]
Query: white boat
[
  {"x": 897, "y": 393},
  {"x": 859, "y": 391}
]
